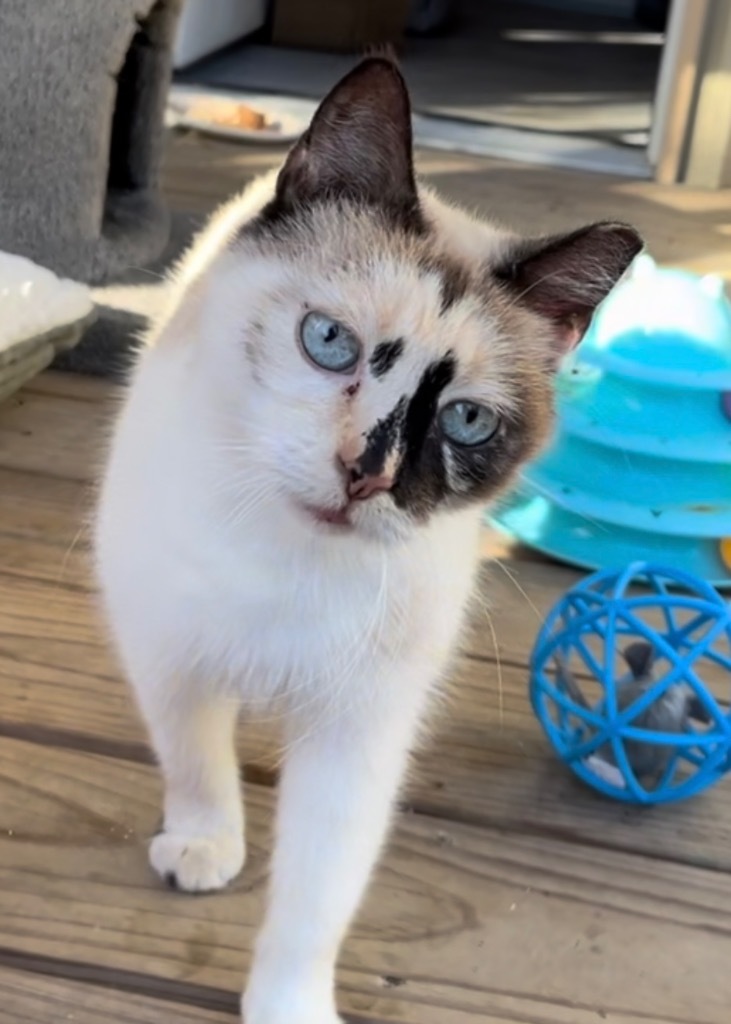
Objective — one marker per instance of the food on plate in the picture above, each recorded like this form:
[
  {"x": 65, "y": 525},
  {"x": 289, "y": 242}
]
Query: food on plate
[{"x": 233, "y": 115}]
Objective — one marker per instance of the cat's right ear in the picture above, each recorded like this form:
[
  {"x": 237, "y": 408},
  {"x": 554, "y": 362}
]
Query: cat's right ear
[
  {"x": 358, "y": 147},
  {"x": 565, "y": 277}
]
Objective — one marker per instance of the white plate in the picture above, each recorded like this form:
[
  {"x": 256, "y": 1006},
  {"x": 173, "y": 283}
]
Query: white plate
[{"x": 289, "y": 118}]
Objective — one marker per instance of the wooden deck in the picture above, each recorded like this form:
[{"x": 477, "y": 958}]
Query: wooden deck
[
  {"x": 507, "y": 894},
  {"x": 683, "y": 227}
]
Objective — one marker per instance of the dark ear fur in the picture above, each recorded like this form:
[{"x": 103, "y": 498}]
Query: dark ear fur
[
  {"x": 358, "y": 147},
  {"x": 565, "y": 277}
]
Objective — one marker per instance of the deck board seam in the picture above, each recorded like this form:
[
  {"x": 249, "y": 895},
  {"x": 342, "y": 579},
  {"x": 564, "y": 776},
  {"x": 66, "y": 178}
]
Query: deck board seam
[
  {"x": 253, "y": 774},
  {"x": 442, "y": 814},
  {"x": 185, "y": 993},
  {"x": 207, "y": 997}
]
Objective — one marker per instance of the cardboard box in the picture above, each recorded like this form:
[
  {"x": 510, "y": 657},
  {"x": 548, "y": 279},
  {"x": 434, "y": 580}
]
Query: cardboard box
[{"x": 346, "y": 26}]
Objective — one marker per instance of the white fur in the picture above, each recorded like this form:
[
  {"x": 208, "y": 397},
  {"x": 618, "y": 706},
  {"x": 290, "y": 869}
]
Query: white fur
[{"x": 222, "y": 594}]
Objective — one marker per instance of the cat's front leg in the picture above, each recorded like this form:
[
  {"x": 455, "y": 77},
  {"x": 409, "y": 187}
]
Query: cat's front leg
[
  {"x": 337, "y": 793},
  {"x": 201, "y": 846}
]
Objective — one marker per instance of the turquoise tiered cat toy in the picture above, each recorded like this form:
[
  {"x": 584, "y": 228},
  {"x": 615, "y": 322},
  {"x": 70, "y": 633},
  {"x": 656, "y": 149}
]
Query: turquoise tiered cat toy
[{"x": 640, "y": 465}]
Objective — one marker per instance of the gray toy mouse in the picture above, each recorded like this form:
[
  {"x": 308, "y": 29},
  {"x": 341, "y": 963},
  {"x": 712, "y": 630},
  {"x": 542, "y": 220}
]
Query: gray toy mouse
[{"x": 670, "y": 713}]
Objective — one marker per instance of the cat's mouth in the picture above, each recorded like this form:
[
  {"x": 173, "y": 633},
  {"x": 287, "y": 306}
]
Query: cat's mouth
[{"x": 339, "y": 517}]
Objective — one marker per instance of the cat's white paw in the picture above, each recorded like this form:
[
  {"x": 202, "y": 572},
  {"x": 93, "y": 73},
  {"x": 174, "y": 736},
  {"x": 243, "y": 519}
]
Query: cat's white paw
[
  {"x": 288, "y": 1005},
  {"x": 197, "y": 863},
  {"x": 277, "y": 1014},
  {"x": 286, "y": 1018}
]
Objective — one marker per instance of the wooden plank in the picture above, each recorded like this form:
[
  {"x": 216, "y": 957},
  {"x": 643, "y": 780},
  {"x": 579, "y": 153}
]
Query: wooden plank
[
  {"x": 53, "y": 435},
  {"x": 32, "y": 998},
  {"x": 45, "y": 528},
  {"x": 459, "y": 921},
  {"x": 200, "y": 173},
  {"x": 71, "y": 385}
]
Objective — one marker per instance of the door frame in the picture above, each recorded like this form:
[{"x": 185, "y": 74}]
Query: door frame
[{"x": 690, "y": 138}]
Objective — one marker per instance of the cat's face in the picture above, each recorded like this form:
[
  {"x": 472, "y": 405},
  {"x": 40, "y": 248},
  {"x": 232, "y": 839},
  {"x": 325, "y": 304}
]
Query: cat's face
[{"x": 398, "y": 355}]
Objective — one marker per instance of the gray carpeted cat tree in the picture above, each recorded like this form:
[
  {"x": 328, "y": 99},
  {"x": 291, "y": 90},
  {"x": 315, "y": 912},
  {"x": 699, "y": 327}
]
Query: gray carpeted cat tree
[{"x": 83, "y": 86}]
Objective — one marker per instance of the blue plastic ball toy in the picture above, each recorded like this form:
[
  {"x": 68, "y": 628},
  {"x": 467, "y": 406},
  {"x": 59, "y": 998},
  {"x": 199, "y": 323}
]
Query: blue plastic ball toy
[{"x": 631, "y": 681}]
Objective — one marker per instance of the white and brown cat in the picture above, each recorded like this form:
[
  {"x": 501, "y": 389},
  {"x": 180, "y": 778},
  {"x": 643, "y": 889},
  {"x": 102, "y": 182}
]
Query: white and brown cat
[{"x": 349, "y": 370}]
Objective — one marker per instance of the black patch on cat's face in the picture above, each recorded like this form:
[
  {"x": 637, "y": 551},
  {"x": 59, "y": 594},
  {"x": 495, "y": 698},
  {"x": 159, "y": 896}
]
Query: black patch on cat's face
[
  {"x": 424, "y": 481},
  {"x": 421, "y": 408},
  {"x": 478, "y": 473},
  {"x": 385, "y": 355},
  {"x": 421, "y": 479},
  {"x": 381, "y": 439}
]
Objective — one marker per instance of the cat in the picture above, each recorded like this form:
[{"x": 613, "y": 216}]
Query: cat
[{"x": 349, "y": 370}]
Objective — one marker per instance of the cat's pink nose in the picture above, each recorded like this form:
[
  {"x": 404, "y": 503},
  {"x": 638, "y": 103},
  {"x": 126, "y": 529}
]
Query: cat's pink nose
[{"x": 361, "y": 486}]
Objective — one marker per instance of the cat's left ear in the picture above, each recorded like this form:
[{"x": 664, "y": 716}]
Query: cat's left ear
[
  {"x": 358, "y": 146},
  {"x": 565, "y": 277}
]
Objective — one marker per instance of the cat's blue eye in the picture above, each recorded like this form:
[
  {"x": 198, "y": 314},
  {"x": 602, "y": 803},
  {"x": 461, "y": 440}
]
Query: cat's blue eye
[
  {"x": 328, "y": 343},
  {"x": 468, "y": 424}
]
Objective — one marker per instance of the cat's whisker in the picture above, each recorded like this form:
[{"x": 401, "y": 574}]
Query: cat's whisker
[
  {"x": 243, "y": 447},
  {"x": 542, "y": 489},
  {"x": 245, "y": 510},
  {"x": 498, "y": 662},
  {"x": 343, "y": 676},
  {"x": 555, "y": 275},
  {"x": 353, "y": 654},
  {"x": 248, "y": 514},
  {"x": 308, "y": 683},
  {"x": 150, "y": 273},
  {"x": 513, "y": 579},
  {"x": 70, "y": 550}
]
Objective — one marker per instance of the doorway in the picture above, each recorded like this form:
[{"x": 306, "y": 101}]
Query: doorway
[{"x": 607, "y": 85}]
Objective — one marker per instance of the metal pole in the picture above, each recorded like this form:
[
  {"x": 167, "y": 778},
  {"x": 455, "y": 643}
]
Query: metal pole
[{"x": 676, "y": 88}]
